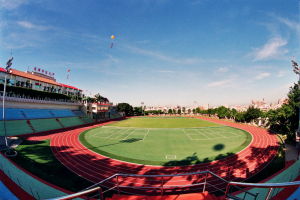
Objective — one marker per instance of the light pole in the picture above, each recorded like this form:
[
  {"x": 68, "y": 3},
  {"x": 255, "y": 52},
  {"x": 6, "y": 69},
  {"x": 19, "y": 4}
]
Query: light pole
[
  {"x": 142, "y": 103},
  {"x": 8, "y": 65}
]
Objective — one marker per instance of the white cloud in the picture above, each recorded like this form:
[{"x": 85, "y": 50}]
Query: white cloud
[
  {"x": 223, "y": 69},
  {"x": 160, "y": 56},
  {"x": 290, "y": 23},
  {"x": 281, "y": 73},
  {"x": 262, "y": 75},
  {"x": 29, "y": 25},
  {"x": 223, "y": 83},
  {"x": 272, "y": 49},
  {"x": 11, "y": 4}
]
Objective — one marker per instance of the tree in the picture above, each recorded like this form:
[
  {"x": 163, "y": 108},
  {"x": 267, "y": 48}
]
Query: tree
[
  {"x": 183, "y": 110},
  {"x": 233, "y": 112},
  {"x": 222, "y": 112},
  {"x": 179, "y": 111},
  {"x": 100, "y": 98},
  {"x": 252, "y": 114},
  {"x": 137, "y": 111},
  {"x": 170, "y": 111},
  {"x": 240, "y": 117},
  {"x": 285, "y": 119},
  {"x": 126, "y": 108}
]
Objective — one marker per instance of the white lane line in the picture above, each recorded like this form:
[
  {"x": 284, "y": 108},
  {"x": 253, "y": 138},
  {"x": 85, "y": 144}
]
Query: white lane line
[{"x": 146, "y": 134}]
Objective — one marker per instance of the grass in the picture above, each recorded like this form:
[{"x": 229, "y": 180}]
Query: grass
[
  {"x": 173, "y": 145},
  {"x": 163, "y": 122},
  {"x": 37, "y": 158}
]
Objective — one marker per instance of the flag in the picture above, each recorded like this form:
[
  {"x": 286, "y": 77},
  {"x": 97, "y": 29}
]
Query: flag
[
  {"x": 68, "y": 73},
  {"x": 9, "y": 63}
]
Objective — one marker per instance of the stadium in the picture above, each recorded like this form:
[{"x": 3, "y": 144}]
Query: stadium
[
  {"x": 149, "y": 100},
  {"x": 103, "y": 154}
]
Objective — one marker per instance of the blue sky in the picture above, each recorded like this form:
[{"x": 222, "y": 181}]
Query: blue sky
[{"x": 166, "y": 52}]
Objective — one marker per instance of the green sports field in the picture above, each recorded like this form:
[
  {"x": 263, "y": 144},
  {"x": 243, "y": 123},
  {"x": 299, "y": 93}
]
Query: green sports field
[{"x": 165, "y": 141}]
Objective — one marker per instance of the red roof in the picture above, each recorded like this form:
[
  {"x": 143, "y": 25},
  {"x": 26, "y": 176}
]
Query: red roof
[
  {"x": 69, "y": 86},
  {"x": 2, "y": 69}
]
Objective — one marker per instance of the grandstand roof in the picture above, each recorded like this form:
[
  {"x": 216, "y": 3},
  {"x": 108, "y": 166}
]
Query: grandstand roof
[
  {"x": 33, "y": 77},
  {"x": 69, "y": 86},
  {"x": 38, "y": 78},
  {"x": 2, "y": 69}
]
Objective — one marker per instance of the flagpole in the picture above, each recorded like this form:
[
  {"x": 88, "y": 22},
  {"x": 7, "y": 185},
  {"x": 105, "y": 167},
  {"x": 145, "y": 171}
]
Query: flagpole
[{"x": 3, "y": 111}]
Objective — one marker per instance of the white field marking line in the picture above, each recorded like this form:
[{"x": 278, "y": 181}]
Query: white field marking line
[
  {"x": 129, "y": 134},
  {"x": 101, "y": 133},
  {"x": 220, "y": 135},
  {"x": 120, "y": 127},
  {"x": 188, "y": 134},
  {"x": 120, "y": 134},
  {"x": 209, "y": 138},
  {"x": 168, "y": 157},
  {"x": 111, "y": 134},
  {"x": 230, "y": 136},
  {"x": 209, "y": 134},
  {"x": 146, "y": 134},
  {"x": 93, "y": 134},
  {"x": 234, "y": 133},
  {"x": 201, "y": 133}
]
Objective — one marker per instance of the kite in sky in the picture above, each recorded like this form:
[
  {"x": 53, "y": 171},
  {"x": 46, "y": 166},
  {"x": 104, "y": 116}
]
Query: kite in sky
[{"x": 112, "y": 37}]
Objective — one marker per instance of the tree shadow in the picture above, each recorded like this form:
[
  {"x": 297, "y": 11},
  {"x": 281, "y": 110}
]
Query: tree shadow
[{"x": 218, "y": 147}]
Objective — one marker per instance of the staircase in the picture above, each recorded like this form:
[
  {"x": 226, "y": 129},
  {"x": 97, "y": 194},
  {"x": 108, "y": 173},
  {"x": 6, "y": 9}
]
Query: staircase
[
  {"x": 58, "y": 121},
  {"x": 192, "y": 196},
  {"x": 30, "y": 125}
]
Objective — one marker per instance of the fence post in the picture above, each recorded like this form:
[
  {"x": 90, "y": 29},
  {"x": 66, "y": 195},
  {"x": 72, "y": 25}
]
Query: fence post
[
  {"x": 118, "y": 184},
  {"x": 101, "y": 193},
  {"x": 162, "y": 186},
  {"x": 269, "y": 194},
  {"x": 204, "y": 187},
  {"x": 227, "y": 189}
]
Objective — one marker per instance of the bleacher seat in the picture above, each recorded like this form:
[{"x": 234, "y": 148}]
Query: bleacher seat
[
  {"x": 71, "y": 121},
  {"x": 63, "y": 113},
  {"x": 86, "y": 119},
  {"x": 37, "y": 113},
  {"x": 19, "y": 113},
  {"x": 15, "y": 127},
  {"x": 78, "y": 112},
  {"x": 12, "y": 114},
  {"x": 45, "y": 124}
]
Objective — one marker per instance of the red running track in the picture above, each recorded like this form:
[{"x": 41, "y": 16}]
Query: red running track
[{"x": 95, "y": 167}]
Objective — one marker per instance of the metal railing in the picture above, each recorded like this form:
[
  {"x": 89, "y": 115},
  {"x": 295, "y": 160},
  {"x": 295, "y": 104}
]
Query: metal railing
[
  {"x": 119, "y": 187},
  {"x": 268, "y": 186},
  {"x": 238, "y": 186},
  {"x": 28, "y": 99},
  {"x": 81, "y": 194}
]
